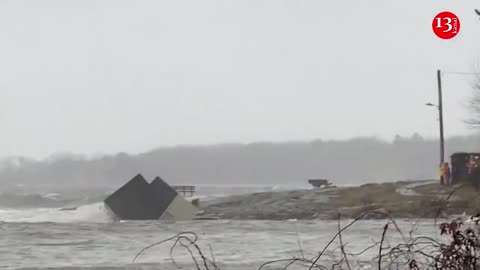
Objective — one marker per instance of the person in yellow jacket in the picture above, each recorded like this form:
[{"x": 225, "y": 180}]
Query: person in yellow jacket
[{"x": 446, "y": 174}]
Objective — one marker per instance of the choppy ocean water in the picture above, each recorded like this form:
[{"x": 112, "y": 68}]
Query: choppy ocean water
[{"x": 40, "y": 236}]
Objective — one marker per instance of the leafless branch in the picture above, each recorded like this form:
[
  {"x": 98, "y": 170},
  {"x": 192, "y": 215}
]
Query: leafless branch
[
  {"x": 342, "y": 246},
  {"x": 380, "y": 249}
]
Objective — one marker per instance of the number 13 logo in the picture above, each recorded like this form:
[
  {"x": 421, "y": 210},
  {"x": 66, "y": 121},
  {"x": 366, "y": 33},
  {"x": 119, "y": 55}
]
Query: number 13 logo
[{"x": 446, "y": 25}]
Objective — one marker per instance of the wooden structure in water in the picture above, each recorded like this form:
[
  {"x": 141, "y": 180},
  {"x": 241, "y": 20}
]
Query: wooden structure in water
[{"x": 185, "y": 191}]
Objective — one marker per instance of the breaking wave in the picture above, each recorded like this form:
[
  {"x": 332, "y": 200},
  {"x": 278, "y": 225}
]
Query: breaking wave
[
  {"x": 46, "y": 200},
  {"x": 50, "y": 205},
  {"x": 90, "y": 213}
]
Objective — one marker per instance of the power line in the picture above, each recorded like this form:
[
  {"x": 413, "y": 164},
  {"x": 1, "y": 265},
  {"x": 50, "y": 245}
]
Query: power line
[{"x": 461, "y": 73}]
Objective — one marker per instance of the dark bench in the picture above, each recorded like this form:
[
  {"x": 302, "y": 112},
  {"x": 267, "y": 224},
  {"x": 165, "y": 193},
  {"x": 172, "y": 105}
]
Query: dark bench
[{"x": 319, "y": 183}]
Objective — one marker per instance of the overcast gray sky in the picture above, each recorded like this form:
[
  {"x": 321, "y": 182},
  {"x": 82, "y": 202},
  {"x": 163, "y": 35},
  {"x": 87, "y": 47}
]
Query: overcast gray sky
[{"x": 107, "y": 76}]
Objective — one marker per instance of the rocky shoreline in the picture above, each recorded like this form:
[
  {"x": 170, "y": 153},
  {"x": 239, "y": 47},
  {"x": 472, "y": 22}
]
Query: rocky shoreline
[{"x": 420, "y": 199}]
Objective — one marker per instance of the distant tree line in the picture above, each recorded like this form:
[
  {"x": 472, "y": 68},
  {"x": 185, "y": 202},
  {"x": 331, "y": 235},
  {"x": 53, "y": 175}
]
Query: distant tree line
[{"x": 354, "y": 161}]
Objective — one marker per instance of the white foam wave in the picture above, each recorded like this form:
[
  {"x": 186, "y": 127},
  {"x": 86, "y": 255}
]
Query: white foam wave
[
  {"x": 94, "y": 213},
  {"x": 53, "y": 196}
]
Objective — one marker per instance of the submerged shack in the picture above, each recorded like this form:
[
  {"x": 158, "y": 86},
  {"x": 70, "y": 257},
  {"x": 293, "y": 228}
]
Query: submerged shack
[{"x": 140, "y": 200}]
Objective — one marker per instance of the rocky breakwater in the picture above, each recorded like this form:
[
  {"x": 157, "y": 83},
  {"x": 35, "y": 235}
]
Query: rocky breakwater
[
  {"x": 296, "y": 204},
  {"x": 399, "y": 200}
]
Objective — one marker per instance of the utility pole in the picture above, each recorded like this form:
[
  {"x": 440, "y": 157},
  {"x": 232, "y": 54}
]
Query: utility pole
[{"x": 440, "y": 118}]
